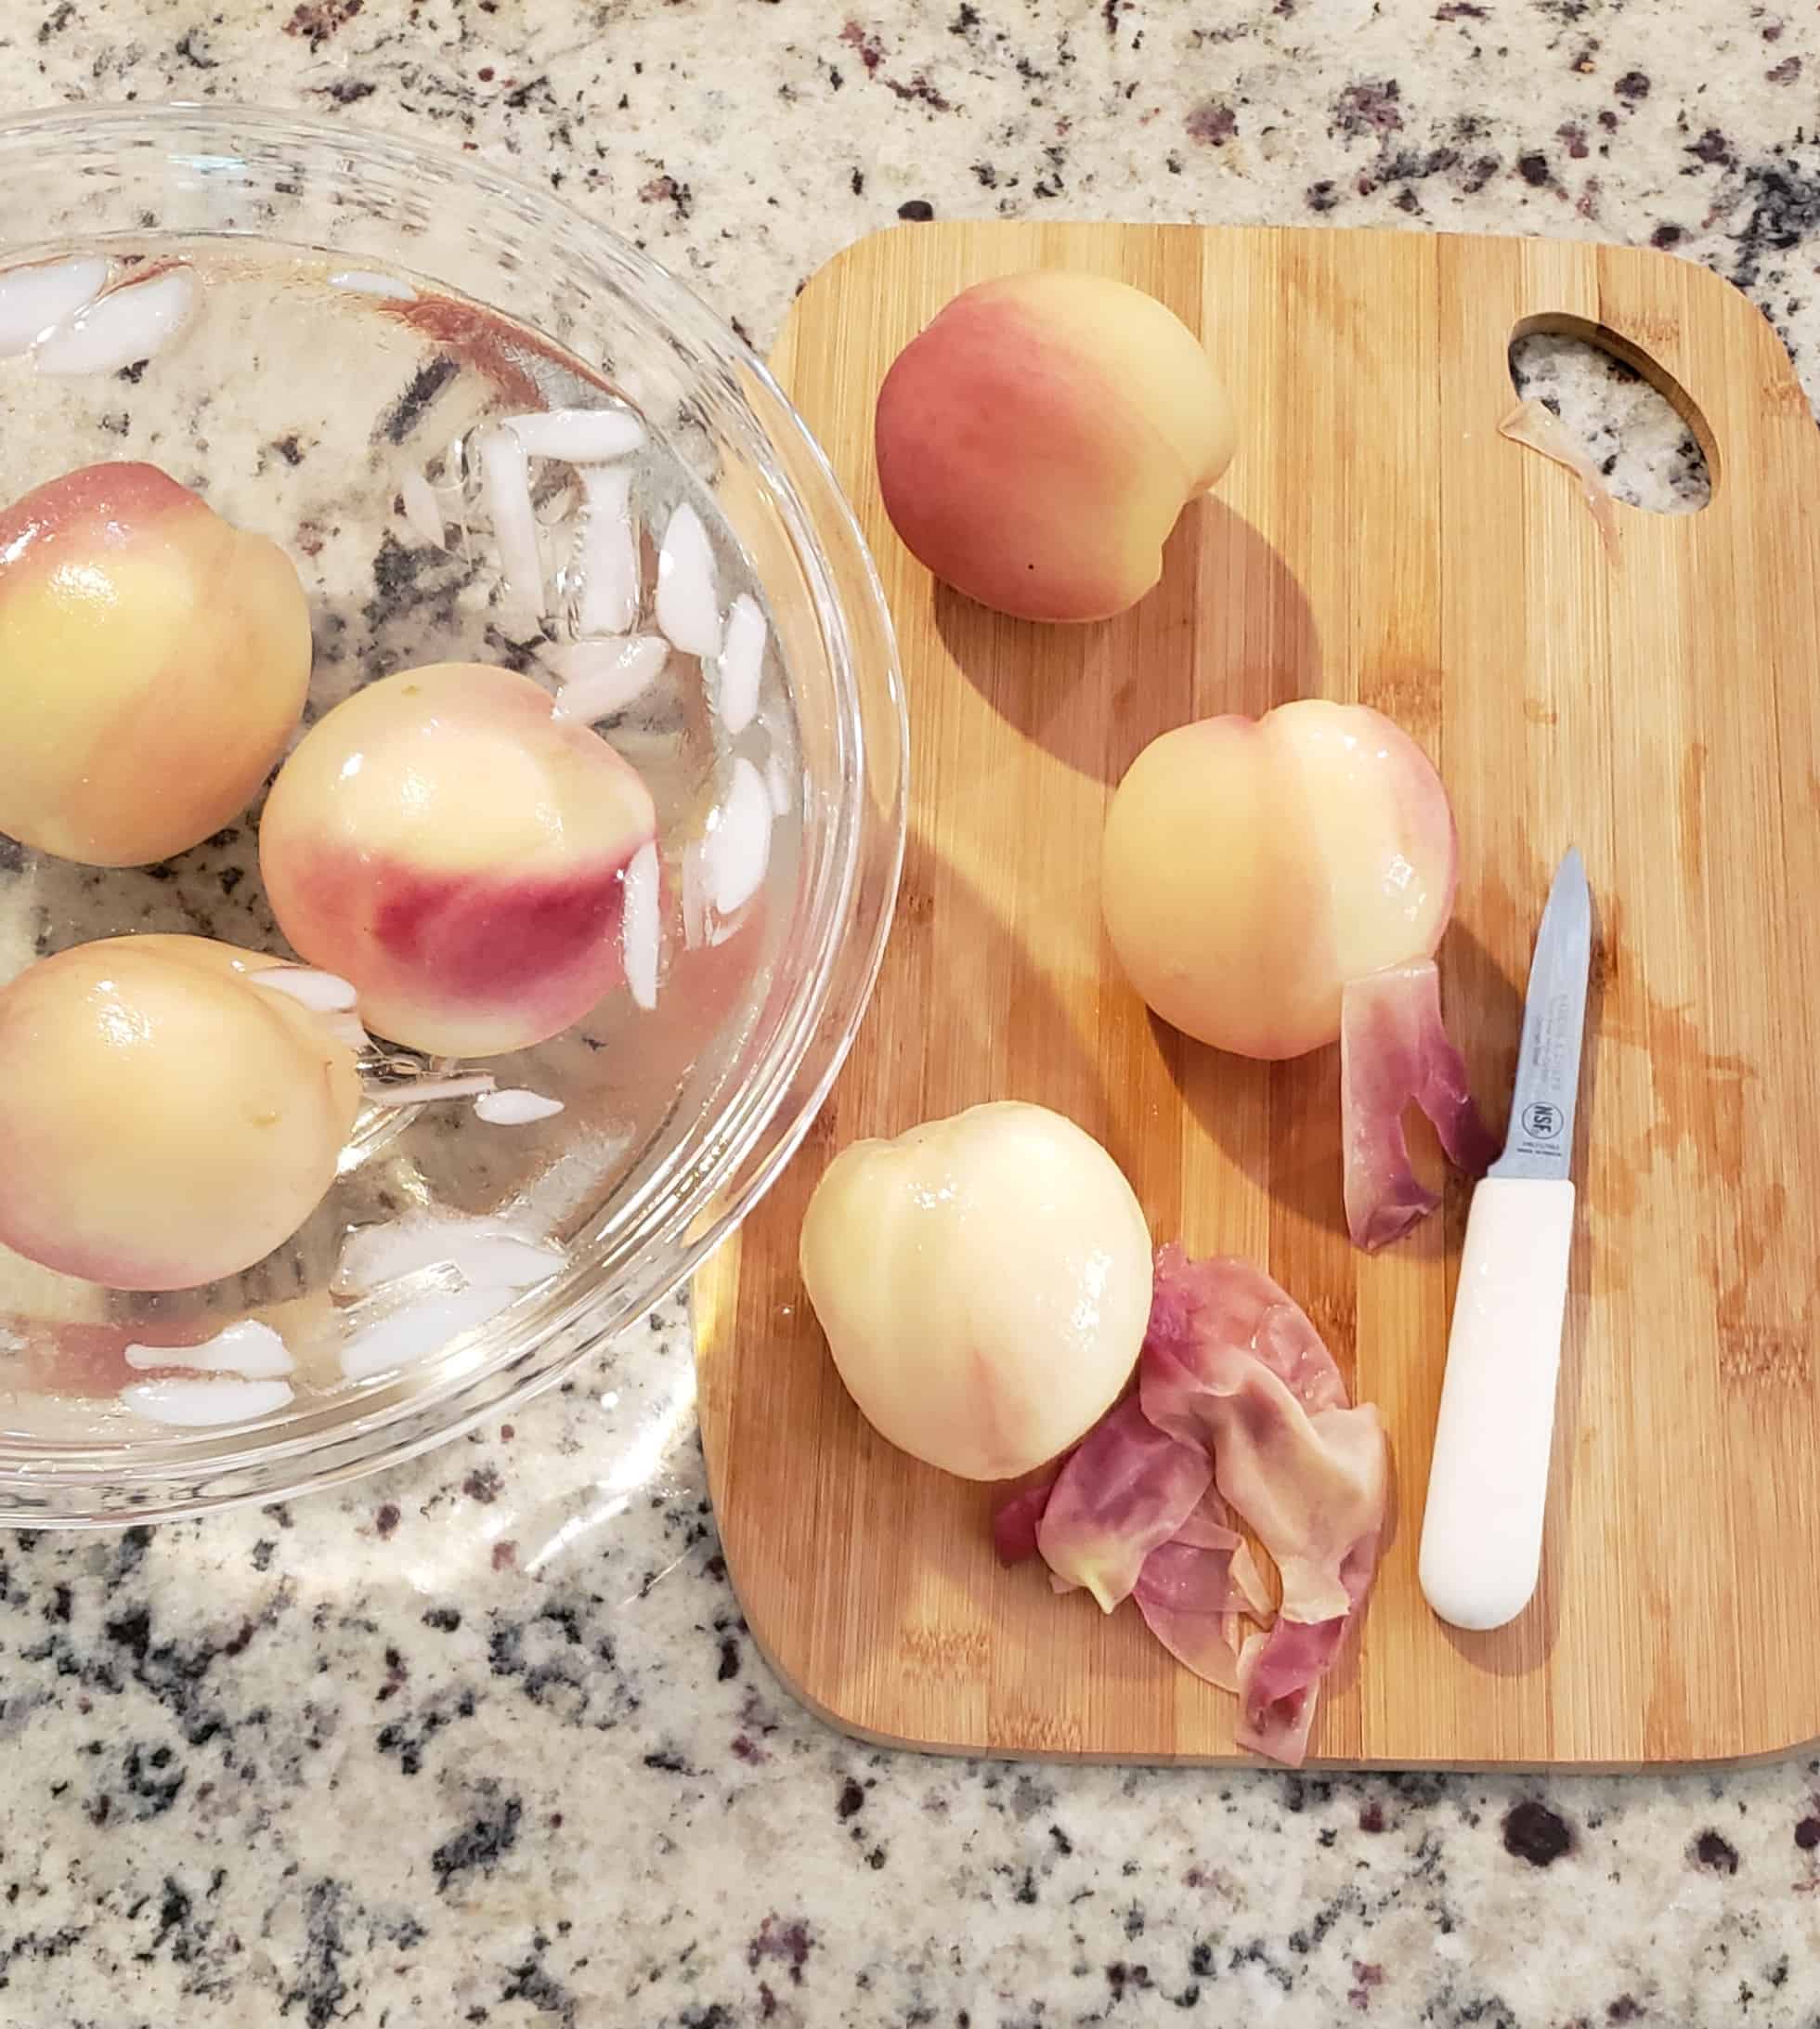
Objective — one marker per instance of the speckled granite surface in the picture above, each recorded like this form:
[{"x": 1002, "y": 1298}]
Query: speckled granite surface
[{"x": 483, "y": 1741}]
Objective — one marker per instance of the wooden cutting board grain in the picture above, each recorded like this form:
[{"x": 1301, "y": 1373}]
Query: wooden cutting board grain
[{"x": 1377, "y": 539}]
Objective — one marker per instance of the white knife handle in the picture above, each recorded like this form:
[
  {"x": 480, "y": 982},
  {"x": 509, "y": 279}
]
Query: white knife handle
[{"x": 1482, "y": 1530}]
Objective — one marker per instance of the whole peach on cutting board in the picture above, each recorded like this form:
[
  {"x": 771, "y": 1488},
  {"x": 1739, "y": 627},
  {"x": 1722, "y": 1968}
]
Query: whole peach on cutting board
[
  {"x": 1038, "y": 440},
  {"x": 166, "y": 1121},
  {"x": 984, "y": 1283},
  {"x": 153, "y": 662},
  {"x": 447, "y": 843},
  {"x": 1253, "y": 867},
  {"x": 1272, "y": 885}
]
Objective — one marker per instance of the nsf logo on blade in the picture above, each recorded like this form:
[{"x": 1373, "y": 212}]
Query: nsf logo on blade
[{"x": 1541, "y": 1122}]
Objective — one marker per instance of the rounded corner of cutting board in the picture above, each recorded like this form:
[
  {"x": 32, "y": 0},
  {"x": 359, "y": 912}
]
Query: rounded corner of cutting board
[
  {"x": 870, "y": 249},
  {"x": 796, "y": 1670},
  {"x": 1664, "y": 269}
]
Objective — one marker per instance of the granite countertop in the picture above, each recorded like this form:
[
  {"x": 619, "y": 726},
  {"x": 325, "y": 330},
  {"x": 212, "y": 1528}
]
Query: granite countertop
[{"x": 483, "y": 1740}]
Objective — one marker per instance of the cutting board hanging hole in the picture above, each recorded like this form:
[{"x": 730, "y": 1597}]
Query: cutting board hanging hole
[{"x": 1639, "y": 431}]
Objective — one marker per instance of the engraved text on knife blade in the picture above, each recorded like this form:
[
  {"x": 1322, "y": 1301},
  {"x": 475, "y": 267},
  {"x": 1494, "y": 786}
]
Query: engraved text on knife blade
[{"x": 1539, "y": 1142}]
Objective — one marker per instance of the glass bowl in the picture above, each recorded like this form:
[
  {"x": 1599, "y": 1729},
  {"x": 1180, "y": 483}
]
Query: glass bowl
[{"x": 366, "y": 307}]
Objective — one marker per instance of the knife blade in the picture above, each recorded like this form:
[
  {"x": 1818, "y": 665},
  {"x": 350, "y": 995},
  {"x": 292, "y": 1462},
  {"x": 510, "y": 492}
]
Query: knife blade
[{"x": 1488, "y": 1482}]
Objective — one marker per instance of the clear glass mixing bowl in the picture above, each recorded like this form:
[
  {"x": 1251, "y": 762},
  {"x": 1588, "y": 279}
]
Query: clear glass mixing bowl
[{"x": 674, "y": 1133}]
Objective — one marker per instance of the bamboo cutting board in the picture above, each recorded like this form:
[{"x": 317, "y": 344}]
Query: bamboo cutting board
[{"x": 1375, "y": 539}]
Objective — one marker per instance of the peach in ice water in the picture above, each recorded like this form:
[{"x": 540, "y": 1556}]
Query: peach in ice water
[
  {"x": 164, "y": 1121},
  {"x": 153, "y": 662},
  {"x": 448, "y": 845}
]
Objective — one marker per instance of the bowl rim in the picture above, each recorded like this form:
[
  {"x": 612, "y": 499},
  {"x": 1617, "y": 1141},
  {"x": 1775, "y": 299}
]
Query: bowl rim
[{"x": 168, "y": 1478}]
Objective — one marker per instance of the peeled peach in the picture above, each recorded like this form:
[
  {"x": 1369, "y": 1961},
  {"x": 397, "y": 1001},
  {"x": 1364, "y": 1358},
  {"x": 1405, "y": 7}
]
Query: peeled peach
[
  {"x": 153, "y": 662},
  {"x": 1037, "y": 441},
  {"x": 165, "y": 1122},
  {"x": 457, "y": 853},
  {"x": 984, "y": 1283},
  {"x": 1253, "y": 869}
]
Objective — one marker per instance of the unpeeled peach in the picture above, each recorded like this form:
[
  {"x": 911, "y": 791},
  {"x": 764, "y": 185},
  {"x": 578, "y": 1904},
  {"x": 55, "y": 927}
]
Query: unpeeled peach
[
  {"x": 165, "y": 1122},
  {"x": 457, "y": 853},
  {"x": 1037, "y": 441},
  {"x": 153, "y": 662}
]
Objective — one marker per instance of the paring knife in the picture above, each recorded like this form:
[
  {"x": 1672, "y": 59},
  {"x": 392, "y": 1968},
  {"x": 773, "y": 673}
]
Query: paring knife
[{"x": 1488, "y": 1485}]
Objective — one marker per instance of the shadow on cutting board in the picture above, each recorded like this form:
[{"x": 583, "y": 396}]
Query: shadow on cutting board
[{"x": 1226, "y": 628}]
